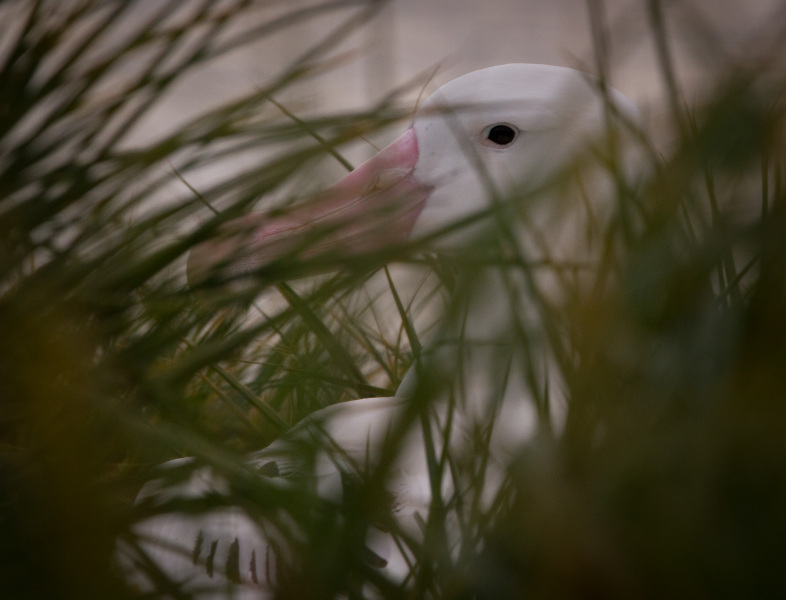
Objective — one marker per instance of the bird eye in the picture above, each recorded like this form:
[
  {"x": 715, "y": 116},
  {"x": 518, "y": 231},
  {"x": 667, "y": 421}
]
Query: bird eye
[{"x": 500, "y": 135}]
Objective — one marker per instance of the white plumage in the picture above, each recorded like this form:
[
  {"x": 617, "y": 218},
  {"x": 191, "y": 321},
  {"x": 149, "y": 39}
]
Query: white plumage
[{"x": 492, "y": 134}]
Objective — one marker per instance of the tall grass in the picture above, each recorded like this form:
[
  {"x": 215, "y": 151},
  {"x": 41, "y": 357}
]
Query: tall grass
[{"x": 667, "y": 478}]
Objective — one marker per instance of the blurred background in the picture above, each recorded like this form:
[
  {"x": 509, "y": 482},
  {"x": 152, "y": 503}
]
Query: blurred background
[{"x": 444, "y": 38}]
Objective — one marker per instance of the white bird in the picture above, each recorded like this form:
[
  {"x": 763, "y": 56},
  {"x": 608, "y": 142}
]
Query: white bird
[{"x": 489, "y": 136}]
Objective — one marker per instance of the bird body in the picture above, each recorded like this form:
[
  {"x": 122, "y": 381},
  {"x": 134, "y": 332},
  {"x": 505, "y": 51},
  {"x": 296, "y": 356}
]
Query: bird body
[{"x": 503, "y": 132}]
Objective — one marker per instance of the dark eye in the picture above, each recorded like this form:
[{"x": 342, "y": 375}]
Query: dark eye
[{"x": 500, "y": 135}]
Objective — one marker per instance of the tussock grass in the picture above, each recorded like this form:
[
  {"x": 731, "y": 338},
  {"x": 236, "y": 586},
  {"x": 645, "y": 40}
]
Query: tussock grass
[{"x": 667, "y": 477}]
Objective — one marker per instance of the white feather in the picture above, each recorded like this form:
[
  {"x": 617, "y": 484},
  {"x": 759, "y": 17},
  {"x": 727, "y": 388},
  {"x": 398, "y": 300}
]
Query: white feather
[{"x": 556, "y": 112}]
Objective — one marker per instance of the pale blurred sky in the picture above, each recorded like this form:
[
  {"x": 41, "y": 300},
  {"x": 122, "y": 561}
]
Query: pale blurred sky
[{"x": 410, "y": 37}]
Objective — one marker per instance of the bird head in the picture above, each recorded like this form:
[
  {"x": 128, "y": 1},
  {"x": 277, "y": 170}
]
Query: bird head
[{"x": 488, "y": 135}]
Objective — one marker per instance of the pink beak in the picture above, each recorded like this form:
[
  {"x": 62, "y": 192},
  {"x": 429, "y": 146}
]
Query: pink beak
[{"x": 373, "y": 207}]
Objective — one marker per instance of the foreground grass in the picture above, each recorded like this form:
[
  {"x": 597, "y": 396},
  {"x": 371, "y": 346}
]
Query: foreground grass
[{"x": 668, "y": 478}]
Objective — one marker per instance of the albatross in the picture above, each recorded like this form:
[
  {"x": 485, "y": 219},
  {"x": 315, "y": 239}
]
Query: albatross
[{"x": 477, "y": 149}]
